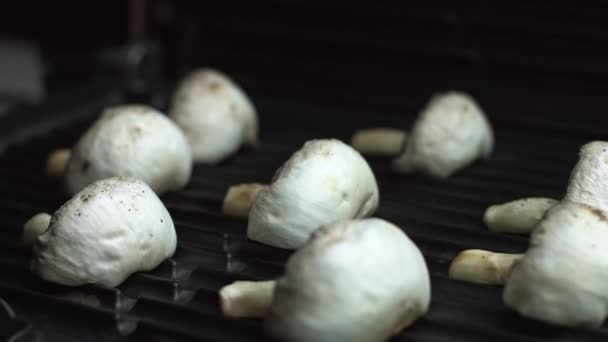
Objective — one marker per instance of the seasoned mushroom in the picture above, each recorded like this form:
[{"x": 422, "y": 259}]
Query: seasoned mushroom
[
  {"x": 449, "y": 134},
  {"x": 588, "y": 182},
  {"x": 109, "y": 230},
  {"x": 135, "y": 141},
  {"x": 325, "y": 181},
  {"x": 563, "y": 275},
  {"x": 215, "y": 114},
  {"x": 361, "y": 280}
]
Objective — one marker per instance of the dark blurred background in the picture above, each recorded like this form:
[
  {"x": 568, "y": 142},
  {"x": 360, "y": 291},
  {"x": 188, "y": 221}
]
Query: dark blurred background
[{"x": 523, "y": 60}]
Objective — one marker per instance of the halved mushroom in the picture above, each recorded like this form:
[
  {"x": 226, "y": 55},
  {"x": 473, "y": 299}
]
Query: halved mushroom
[
  {"x": 562, "y": 278},
  {"x": 109, "y": 230},
  {"x": 215, "y": 114},
  {"x": 135, "y": 141},
  {"x": 361, "y": 280},
  {"x": 325, "y": 181},
  {"x": 450, "y": 133}
]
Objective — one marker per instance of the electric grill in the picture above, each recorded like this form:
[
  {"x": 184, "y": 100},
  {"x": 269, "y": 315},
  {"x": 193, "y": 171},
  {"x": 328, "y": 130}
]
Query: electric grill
[{"x": 319, "y": 71}]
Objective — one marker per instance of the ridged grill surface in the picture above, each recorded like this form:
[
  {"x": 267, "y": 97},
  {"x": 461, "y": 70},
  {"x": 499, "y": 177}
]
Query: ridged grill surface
[{"x": 178, "y": 300}]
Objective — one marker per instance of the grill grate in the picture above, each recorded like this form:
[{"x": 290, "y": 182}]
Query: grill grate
[{"x": 178, "y": 300}]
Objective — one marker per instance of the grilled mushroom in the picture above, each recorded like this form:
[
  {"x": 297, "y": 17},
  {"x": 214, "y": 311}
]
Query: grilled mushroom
[
  {"x": 215, "y": 114},
  {"x": 563, "y": 275},
  {"x": 109, "y": 230},
  {"x": 325, "y": 181},
  {"x": 361, "y": 280},
  {"x": 449, "y": 134},
  {"x": 135, "y": 141}
]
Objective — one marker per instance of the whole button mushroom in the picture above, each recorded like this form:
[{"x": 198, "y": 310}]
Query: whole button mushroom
[
  {"x": 450, "y": 134},
  {"x": 325, "y": 181},
  {"x": 361, "y": 280},
  {"x": 215, "y": 114},
  {"x": 562, "y": 278},
  {"x": 135, "y": 141},
  {"x": 109, "y": 230}
]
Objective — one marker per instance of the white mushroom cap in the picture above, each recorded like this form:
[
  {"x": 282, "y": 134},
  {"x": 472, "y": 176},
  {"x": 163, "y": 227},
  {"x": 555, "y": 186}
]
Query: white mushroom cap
[
  {"x": 325, "y": 181},
  {"x": 135, "y": 141},
  {"x": 359, "y": 280},
  {"x": 589, "y": 179},
  {"x": 106, "y": 232},
  {"x": 563, "y": 277},
  {"x": 215, "y": 114},
  {"x": 448, "y": 135}
]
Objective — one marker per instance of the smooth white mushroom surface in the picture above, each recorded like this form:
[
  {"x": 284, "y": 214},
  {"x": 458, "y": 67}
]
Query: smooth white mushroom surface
[
  {"x": 588, "y": 182},
  {"x": 362, "y": 280},
  {"x": 131, "y": 140},
  {"x": 448, "y": 135},
  {"x": 109, "y": 230},
  {"x": 325, "y": 181},
  {"x": 563, "y": 277},
  {"x": 519, "y": 216},
  {"x": 359, "y": 280},
  {"x": 215, "y": 114}
]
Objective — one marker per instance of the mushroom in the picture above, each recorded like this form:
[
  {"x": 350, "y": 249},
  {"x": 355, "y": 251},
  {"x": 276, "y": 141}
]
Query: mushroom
[
  {"x": 239, "y": 199},
  {"x": 450, "y": 133},
  {"x": 518, "y": 217},
  {"x": 131, "y": 140},
  {"x": 587, "y": 185},
  {"x": 588, "y": 181},
  {"x": 34, "y": 227},
  {"x": 109, "y": 230},
  {"x": 562, "y": 278},
  {"x": 215, "y": 114},
  {"x": 325, "y": 181},
  {"x": 361, "y": 280},
  {"x": 379, "y": 141},
  {"x": 482, "y": 267}
]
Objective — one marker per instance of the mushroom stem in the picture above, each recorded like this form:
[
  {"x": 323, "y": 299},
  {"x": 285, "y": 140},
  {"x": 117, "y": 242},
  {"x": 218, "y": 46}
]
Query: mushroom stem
[
  {"x": 518, "y": 217},
  {"x": 239, "y": 199},
  {"x": 34, "y": 227},
  {"x": 247, "y": 298},
  {"x": 379, "y": 141},
  {"x": 56, "y": 163},
  {"x": 483, "y": 267}
]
